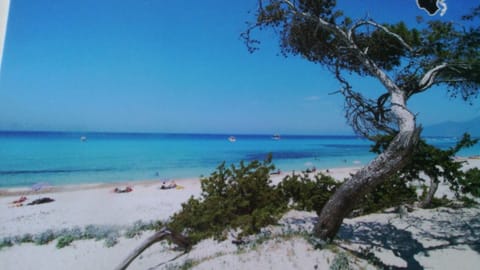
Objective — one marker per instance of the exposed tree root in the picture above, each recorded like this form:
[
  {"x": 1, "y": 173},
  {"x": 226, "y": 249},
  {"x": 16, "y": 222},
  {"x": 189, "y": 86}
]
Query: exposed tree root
[{"x": 178, "y": 239}]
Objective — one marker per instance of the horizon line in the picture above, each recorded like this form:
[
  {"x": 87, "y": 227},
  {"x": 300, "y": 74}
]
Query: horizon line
[{"x": 179, "y": 133}]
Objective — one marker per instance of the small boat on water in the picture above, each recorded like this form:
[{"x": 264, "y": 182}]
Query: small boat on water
[
  {"x": 276, "y": 137},
  {"x": 83, "y": 138},
  {"x": 232, "y": 139}
]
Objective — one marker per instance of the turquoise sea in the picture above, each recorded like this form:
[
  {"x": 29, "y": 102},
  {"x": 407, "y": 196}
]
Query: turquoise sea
[{"x": 60, "y": 158}]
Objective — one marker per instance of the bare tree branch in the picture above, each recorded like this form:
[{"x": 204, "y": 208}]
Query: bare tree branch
[
  {"x": 176, "y": 238},
  {"x": 429, "y": 78},
  {"x": 367, "y": 117},
  {"x": 379, "y": 26}
]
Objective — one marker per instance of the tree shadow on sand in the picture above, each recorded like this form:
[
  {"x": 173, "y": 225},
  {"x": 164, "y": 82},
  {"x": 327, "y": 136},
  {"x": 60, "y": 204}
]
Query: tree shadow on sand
[{"x": 413, "y": 235}]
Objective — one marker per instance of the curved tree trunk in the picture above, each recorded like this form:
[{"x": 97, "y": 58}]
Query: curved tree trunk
[
  {"x": 394, "y": 158},
  {"x": 353, "y": 190},
  {"x": 431, "y": 193}
]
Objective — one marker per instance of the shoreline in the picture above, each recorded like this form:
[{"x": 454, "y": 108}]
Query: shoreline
[
  {"x": 338, "y": 172},
  {"x": 98, "y": 204}
]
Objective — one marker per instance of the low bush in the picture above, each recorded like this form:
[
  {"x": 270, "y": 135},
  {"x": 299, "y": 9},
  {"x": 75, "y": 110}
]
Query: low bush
[
  {"x": 244, "y": 198},
  {"x": 393, "y": 192},
  {"x": 65, "y": 240},
  {"x": 470, "y": 183},
  {"x": 308, "y": 194},
  {"x": 111, "y": 239},
  {"x": 6, "y": 242},
  {"x": 232, "y": 198},
  {"x": 340, "y": 262},
  {"x": 44, "y": 238}
]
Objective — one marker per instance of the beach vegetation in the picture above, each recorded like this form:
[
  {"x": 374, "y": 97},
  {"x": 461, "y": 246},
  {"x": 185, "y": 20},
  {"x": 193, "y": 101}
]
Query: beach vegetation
[
  {"x": 470, "y": 183},
  {"x": 111, "y": 239},
  {"x": 468, "y": 202},
  {"x": 65, "y": 240},
  {"x": 305, "y": 193},
  {"x": 340, "y": 262},
  {"x": 26, "y": 238},
  {"x": 185, "y": 265},
  {"x": 140, "y": 226},
  {"x": 236, "y": 197},
  {"x": 405, "y": 60},
  {"x": 44, "y": 237},
  {"x": 391, "y": 193},
  {"x": 65, "y": 237},
  {"x": 6, "y": 242},
  {"x": 432, "y": 164}
]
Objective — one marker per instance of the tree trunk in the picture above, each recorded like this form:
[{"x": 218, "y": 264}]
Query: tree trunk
[
  {"x": 353, "y": 190},
  {"x": 431, "y": 193}
]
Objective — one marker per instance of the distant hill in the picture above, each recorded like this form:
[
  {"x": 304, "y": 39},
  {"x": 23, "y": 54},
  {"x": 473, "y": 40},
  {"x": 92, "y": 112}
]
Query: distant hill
[{"x": 454, "y": 128}]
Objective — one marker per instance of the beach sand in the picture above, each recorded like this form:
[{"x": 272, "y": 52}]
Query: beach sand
[{"x": 436, "y": 239}]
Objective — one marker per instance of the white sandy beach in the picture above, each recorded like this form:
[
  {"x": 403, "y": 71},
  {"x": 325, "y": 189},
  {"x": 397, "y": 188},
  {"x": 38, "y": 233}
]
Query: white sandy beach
[{"x": 435, "y": 239}]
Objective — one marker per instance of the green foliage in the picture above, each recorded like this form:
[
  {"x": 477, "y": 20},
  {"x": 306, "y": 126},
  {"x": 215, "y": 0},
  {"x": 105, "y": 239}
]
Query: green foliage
[
  {"x": 468, "y": 202},
  {"x": 439, "y": 202},
  {"x": 140, "y": 226},
  {"x": 232, "y": 198},
  {"x": 64, "y": 241},
  {"x": 6, "y": 242},
  {"x": 470, "y": 183},
  {"x": 435, "y": 163},
  {"x": 340, "y": 262},
  {"x": 66, "y": 236},
  {"x": 390, "y": 193},
  {"x": 26, "y": 238},
  {"x": 111, "y": 239},
  {"x": 44, "y": 238},
  {"x": 307, "y": 194},
  {"x": 430, "y": 43}
]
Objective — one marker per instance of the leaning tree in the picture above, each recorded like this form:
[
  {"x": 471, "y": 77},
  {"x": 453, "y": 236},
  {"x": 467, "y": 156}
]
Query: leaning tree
[{"x": 406, "y": 61}]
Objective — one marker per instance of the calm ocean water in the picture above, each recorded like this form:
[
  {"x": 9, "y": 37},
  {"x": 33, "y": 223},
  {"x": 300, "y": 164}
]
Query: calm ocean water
[{"x": 61, "y": 158}]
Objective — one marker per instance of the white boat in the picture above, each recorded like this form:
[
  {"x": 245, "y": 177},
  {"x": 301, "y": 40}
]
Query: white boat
[
  {"x": 232, "y": 139},
  {"x": 83, "y": 138},
  {"x": 276, "y": 137}
]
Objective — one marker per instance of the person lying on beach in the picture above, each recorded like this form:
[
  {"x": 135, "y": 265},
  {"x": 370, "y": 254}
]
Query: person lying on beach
[
  {"x": 314, "y": 169},
  {"x": 41, "y": 200},
  {"x": 276, "y": 173},
  {"x": 169, "y": 186},
  {"x": 123, "y": 190},
  {"x": 20, "y": 200}
]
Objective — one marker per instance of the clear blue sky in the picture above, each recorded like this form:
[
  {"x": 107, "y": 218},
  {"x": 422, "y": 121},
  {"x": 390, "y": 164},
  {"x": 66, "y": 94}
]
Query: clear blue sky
[{"x": 177, "y": 66}]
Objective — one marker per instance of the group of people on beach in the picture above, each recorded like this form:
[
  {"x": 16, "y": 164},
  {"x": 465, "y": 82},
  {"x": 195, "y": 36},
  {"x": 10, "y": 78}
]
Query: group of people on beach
[
  {"x": 19, "y": 202},
  {"x": 165, "y": 185}
]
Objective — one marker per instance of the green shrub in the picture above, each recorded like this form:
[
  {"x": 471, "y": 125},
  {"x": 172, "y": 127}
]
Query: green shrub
[
  {"x": 340, "y": 262},
  {"x": 111, "y": 239},
  {"x": 26, "y": 238},
  {"x": 307, "y": 194},
  {"x": 232, "y": 198},
  {"x": 6, "y": 242},
  {"x": 97, "y": 232},
  {"x": 136, "y": 229},
  {"x": 393, "y": 192},
  {"x": 468, "y": 202},
  {"x": 44, "y": 238},
  {"x": 64, "y": 240},
  {"x": 470, "y": 183}
]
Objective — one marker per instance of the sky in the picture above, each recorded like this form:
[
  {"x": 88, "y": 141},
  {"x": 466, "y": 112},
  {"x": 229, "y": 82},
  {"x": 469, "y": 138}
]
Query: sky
[{"x": 179, "y": 66}]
